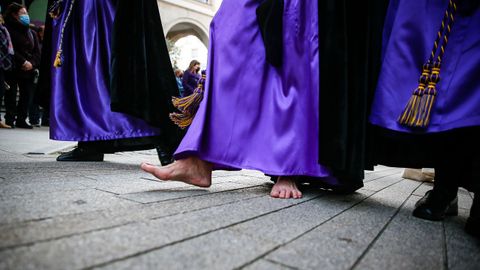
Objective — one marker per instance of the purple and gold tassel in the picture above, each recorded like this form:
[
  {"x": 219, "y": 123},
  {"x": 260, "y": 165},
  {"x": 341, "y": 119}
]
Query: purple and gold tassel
[
  {"x": 418, "y": 111},
  {"x": 428, "y": 98},
  {"x": 58, "y": 59},
  {"x": 58, "y": 62},
  {"x": 188, "y": 106},
  {"x": 55, "y": 9},
  {"x": 410, "y": 114}
]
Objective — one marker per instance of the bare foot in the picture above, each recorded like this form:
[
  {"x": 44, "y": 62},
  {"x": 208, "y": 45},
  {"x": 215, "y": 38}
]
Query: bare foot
[
  {"x": 2, "y": 125},
  {"x": 191, "y": 170},
  {"x": 286, "y": 188}
]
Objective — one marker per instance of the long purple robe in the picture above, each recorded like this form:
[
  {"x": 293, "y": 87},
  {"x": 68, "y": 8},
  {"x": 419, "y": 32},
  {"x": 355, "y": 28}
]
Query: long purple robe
[
  {"x": 80, "y": 107},
  {"x": 256, "y": 116},
  {"x": 410, "y": 30}
]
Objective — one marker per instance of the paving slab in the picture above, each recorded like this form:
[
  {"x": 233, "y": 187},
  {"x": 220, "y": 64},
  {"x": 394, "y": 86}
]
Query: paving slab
[
  {"x": 382, "y": 182},
  {"x": 261, "y": 235},
  {"x": 127, "y": 182},
  {"x": 17, "y": 208},
  {"x": 465, "y": 201},
  {"x": 338, "y": 243},
  {"x": 74, "y": 215},
  {"x": 37, "y": 140},
  {"x": 407, "y": 243},
  {"x": 381, "y": 174},
  {"x": 198, "y": 254},
  {"x": 267, "y": 265},
  {"x": 28, "y": 233},
  {"x": 105, "y": 246},
  {"x": 183, "y": 192},
  {"x": 462, "y": 249}
]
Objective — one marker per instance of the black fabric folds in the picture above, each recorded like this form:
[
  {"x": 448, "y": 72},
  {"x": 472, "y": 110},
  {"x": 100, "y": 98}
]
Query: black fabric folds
[
  {"x": 350, "y": 34},
  {"x": 142, "y": 79},
  {"x": 270, "y": 20},
  {"x": 44, "y": 86},
  {"x": 458, "y": 148}
]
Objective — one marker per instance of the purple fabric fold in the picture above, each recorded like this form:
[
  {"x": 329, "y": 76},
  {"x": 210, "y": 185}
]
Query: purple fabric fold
[
  {"x": 80, "y": 104},
  {"x": 410, "y": 30},
  {"x": 256, "y": 116}
]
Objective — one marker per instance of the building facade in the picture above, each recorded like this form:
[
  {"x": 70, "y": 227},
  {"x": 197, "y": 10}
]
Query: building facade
[{"x": 181, "y": 18}]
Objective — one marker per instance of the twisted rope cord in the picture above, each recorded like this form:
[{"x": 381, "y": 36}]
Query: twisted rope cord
[
  {"x": 418, "y": 110},
  {"x": 59, "y": 57}
]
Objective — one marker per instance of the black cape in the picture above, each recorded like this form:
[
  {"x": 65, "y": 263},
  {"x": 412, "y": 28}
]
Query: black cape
[
  {"x": 44, "y": 85},
  {"x": 350, "y": 34},
  {"x": 142, "y": 78},
  {"x": 270, "y": 20}
]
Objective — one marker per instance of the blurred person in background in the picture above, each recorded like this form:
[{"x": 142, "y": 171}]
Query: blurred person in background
[
  {"x": 35, "y": 112},
  {"x": 190, "y": 79},
  {"x": 179, "y": 77},
  {"x": 26, "y": 62},
  {"x": 6, "y": 60}
]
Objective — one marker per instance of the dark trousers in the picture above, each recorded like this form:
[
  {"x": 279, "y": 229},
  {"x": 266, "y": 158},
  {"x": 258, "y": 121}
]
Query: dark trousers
[
  {"x": 121, "y": 145},
  {"x": 2, "y": 86},
  {"x": 34, "y": 114},
  {"x": 462, "y": 170},
  {"x": 14, "y": 111}
]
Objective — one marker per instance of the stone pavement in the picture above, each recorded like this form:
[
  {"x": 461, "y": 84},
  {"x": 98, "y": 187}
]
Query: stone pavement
[{"x": 110, "y": 215}]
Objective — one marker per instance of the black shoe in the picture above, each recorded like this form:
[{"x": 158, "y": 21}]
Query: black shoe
[
  {"x": 45, "y": 123},
  {"x": 164, "y": 157},
  {"x": 10, "y": 123},
  {"x": 23, "y": 124},
  {"x": 80, "y": 154},
  {"x": 434, "y": 207},
  {"x": 473, "y": 227}
]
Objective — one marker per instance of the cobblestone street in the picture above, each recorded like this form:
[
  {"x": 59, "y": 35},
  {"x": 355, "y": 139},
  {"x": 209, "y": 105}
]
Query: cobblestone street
[{"x": 111, "y": 215}]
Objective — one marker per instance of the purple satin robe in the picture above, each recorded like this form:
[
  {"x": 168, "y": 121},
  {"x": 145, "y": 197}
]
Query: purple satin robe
[
  {"x": 253, "y": 115},
  {"x": 410, "y": 30},
  {"x": 80, "y": 104}
]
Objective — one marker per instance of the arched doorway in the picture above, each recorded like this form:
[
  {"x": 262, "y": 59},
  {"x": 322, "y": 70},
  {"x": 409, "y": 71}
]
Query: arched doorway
[
  {"x": 187, "y": 27},
  {"x": 187, "y": 41}
]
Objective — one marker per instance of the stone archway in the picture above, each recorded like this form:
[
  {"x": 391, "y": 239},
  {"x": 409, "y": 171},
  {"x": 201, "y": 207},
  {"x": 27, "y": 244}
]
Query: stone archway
[{"x": 184, "y": 27}]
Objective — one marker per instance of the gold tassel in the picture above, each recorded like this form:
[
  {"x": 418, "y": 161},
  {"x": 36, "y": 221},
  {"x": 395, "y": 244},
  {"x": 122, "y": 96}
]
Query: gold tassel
[
  {"x": 181, "y": 120},
  {"x": 55, "y": 9},
  {"x": 412, "y": 109},
  {"x": 428, "y": 99},
  {"x": 418, "y": 111},
  {"x": 59, "y": 56},
  {"x": 188, "y": 106},
  {"x": 58, "y": 59}
]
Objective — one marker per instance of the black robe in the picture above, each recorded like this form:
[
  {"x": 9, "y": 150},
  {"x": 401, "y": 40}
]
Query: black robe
[
  {"x": 44, "y": 85},
  {"x": 142, "y": 78},
  {"x": 350, "y": 34}
]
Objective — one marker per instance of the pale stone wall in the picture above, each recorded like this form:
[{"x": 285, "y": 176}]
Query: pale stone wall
[{"x": 185, "y": 17}]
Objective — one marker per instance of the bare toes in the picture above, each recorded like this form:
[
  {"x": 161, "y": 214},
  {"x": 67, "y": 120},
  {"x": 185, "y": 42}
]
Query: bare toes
[
  {"x": 148, "y": 167},
  {"x": 275, "y": 193},
  {"x": 160, "y": 173}
]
